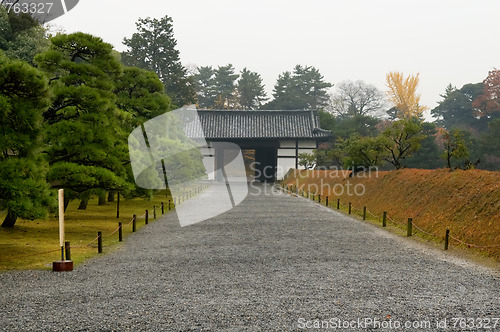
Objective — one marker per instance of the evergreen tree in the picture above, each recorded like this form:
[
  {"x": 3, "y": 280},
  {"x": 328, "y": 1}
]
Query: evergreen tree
[
  {"x": 305, "y": 88},
  {"x": 251, "y": 92},
  {"x": 225, "y": 87},
  {"x": 456, "y": 111},
  {"x": 153, "y": 47},
  {"x": 140, "y": 93},
  {"x": 85, "y": 142},
  {"x": 24, "y": 96},
  {"x": 205, "y": 87},
  {"x": 285, "y": 94}
]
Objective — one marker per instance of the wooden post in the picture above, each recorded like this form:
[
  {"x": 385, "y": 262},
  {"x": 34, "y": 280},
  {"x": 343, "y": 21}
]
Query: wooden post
[
  {"x": 62, "y": 265},
  {"x": 446, "y": 239},
  {"x": 364, "y": 212},
  {"x": 120, "y": 233},
  {"x": 338, "y": 203},
  {"x": 99, "y": 242},
  {"x": 326, "y": 203},
  {"x": 349, "y": 207},
  {"x": 67, "y": 249},
  {"x": 409, "y": 229},
  {"x": 134, "y": 218},
  {"x": 118, "y": 205},
  {"x": 61, "y": 221},
  {"x": 146, "y": 217},
  {"x": 384, "y": 218}
]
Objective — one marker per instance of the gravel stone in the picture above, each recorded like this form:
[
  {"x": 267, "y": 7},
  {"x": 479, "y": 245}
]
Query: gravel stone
[{"x": 263, "y": 266}]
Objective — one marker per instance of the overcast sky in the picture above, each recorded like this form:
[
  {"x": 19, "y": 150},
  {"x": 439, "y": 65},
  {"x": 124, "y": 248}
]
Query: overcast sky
[{"x": 446, "y": 41}]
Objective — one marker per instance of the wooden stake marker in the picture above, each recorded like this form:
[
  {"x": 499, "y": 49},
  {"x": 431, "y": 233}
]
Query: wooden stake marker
[{"x": 64, "y": 264}]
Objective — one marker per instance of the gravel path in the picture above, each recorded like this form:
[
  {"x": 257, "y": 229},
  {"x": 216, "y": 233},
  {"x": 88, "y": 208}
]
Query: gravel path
[{"x": 273, "y": 263}]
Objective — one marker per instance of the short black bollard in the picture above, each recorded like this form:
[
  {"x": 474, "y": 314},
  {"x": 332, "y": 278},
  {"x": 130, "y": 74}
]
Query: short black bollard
[
  {"x": 162, "y": 209},
  {"x": 120, "y": 232},
  {"x": 446, "y": 239},
  {"x": 99, "y": 242},
  {"x": 409, "y": 227},
  {"x": 313, "y": 197},
  {"x": 169, "y": 205},
  {"x": 326, "y": 203},
  {"x": 154, "y": 212},
  {"x": 146, "y": 217},
  {"x": 319, "y": 199},
  {"x": 338, "y": 203},
  {"x": 384, "y": 219},
  {"x": 67, "y": 249},
  {"x": 307, "y": 195},
  {"x": 134, "y": 222},
  {"x": 349, "y": 207},
  {"x": 364, "y": 212}
]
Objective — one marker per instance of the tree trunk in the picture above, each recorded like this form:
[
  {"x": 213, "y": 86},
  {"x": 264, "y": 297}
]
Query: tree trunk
[
  {"x": 111, "y": 196},
  {"x": 102, "y": 198},
  {"x": 10, "y": 220},
  {"x": 83, "y": 204}
]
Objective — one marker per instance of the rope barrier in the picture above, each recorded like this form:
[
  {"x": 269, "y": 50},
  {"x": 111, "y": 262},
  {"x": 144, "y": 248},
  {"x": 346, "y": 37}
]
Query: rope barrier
[
  {"x": 374, "y": 216},
  {"x": 85, "y": 245},
  {"x": 131, "y": 220},
  {"x": 421, "y": 230},
  {"x": 395, "y": 222},
  {"x": 116, "y": 230},
  {"x": 472, "y": 245}
]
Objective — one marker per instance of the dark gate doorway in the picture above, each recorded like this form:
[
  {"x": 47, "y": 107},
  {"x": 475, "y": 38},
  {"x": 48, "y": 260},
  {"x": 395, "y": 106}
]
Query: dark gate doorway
[{"x": 265, "y": 164}]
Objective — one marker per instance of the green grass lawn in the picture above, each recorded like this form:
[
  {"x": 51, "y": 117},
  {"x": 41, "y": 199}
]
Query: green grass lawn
[{"x": 35, "y": 244}]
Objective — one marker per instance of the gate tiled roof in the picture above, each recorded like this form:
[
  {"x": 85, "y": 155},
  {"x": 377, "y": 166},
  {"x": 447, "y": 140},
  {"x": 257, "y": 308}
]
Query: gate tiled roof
[{"x": 261, "y": 124}]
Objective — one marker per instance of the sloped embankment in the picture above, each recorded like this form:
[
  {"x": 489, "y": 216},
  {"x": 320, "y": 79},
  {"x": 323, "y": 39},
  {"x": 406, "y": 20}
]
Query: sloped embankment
[{"x": 465, "y": 202}]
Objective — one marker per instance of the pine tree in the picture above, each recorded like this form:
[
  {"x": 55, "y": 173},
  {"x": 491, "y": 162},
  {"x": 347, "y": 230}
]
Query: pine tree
[
  {"x": 85, "y": 140},
  {"x": 305, "y": 88},
  {"x": 250, "y": 89},
  {"x": 24, "y": 96},
  {"x": 204, "y": 82},
  {"x": 153, "y": 47}
]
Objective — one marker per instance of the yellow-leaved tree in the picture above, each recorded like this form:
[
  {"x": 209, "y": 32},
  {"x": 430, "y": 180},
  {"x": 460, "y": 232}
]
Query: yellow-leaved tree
[{"x": 403, "y": 94}]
